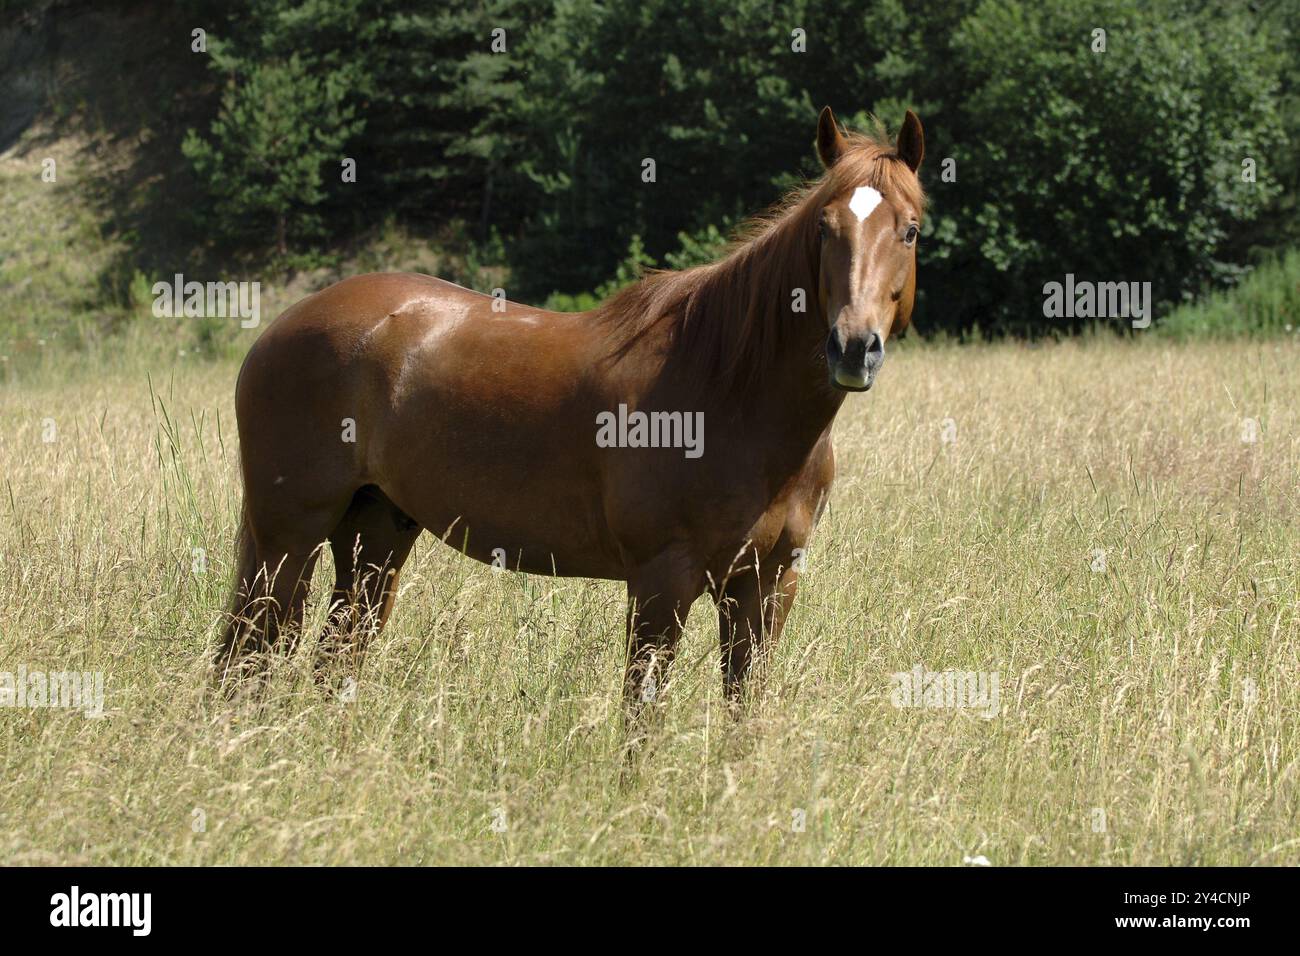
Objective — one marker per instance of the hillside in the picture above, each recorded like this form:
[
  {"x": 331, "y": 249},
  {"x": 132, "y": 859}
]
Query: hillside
[{"x": 83, "y": 240}]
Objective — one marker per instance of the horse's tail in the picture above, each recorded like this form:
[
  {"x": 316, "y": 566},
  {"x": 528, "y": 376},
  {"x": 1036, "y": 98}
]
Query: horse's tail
[{"x": 241, "y": 590}]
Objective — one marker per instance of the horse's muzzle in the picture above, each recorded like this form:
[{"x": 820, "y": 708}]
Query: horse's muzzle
[{"x": 854, "y": 365}]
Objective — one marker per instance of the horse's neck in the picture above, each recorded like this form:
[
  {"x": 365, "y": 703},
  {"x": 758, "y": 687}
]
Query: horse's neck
[
  {"x": 791, "y": 403},
  {"x": 798, "y": 407},
  {"x": 793, "y": 398}
]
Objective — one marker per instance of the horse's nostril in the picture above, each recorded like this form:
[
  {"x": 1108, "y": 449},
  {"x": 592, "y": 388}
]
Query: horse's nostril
[
  {"x": 855, "y": 353},
  {"x": 865, "y": 351}
]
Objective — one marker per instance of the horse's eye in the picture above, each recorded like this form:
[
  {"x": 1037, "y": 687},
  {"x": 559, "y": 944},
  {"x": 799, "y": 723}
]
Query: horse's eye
[
  {"x": 821, "y": 228},
  {"x": 912, "y": 232}
]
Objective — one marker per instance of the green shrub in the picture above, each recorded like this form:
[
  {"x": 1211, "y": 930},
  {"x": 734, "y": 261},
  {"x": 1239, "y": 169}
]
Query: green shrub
[
  {"x": 1122, "y": 165},
  {"x": 1267, "y": 302}
]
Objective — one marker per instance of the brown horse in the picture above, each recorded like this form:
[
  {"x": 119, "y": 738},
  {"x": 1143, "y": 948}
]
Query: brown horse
[{"x": 391, "y": 403}]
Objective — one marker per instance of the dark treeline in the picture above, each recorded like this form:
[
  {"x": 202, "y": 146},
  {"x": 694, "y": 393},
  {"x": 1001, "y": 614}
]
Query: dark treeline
[{"x": 1163, "y": 150}]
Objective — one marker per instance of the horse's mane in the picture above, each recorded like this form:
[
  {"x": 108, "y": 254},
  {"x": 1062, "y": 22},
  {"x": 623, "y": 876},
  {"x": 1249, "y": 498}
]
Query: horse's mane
[{"x": 727, "y": 319}]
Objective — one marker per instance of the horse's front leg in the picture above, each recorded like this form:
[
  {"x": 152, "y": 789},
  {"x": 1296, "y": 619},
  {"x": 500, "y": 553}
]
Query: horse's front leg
[
  {"x": 752, "y": 609},
  {"x": 660, "y": 595}
]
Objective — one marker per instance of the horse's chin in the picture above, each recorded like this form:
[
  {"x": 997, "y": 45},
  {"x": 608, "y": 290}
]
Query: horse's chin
[{"x": 850, "y": 383}]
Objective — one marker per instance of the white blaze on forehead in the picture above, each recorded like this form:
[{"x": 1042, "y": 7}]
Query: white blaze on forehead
[{"x": 864, "y": 200}]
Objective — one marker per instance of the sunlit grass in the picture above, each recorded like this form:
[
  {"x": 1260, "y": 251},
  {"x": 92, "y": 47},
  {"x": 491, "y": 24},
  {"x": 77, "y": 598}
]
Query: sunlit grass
[{"x": 1148, "y": 711}]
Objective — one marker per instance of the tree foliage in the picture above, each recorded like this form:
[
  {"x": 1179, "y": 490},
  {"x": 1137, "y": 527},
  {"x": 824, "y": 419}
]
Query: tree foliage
[{"x": 535, "y": 121}]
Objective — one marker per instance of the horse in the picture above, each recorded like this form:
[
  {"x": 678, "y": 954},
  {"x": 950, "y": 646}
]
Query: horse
[{"x": 391, "y": 403}]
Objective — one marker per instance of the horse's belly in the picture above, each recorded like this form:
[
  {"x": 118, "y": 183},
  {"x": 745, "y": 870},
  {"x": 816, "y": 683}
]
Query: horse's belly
[
  {"x": 522, "y": 498},
  {"x": 515, "y": 541}
]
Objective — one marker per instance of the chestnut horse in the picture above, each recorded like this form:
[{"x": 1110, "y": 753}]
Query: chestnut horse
[{"x": 387, "y": 404}]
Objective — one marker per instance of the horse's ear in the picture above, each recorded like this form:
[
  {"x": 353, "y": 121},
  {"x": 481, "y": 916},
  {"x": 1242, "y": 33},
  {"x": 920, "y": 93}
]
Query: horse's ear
[
  {"x": 830, "y": 143},
  {"x": 911, "y": 141}
]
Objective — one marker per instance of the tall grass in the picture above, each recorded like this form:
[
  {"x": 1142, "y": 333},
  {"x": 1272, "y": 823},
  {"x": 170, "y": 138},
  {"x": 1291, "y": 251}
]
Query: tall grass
[{"x": 1109, "y": 527}]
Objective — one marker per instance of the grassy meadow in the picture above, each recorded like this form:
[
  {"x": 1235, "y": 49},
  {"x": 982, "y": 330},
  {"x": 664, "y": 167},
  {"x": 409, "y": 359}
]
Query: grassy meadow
[{"x": 1111, "y": 528}]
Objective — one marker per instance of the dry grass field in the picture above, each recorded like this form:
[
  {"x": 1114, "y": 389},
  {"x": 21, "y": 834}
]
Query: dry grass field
[{"x": 1110, "y": 529}]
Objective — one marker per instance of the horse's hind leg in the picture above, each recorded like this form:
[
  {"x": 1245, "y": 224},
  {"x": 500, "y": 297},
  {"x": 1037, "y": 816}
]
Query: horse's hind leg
[
  {"x": 370, "y": 545},
  {"x": 270, "y": 595},
  {"x": 276, "y": 552}
]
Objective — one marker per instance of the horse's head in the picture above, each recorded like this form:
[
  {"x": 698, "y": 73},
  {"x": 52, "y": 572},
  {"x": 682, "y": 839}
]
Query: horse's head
[{"x": 867, "y": 229}]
